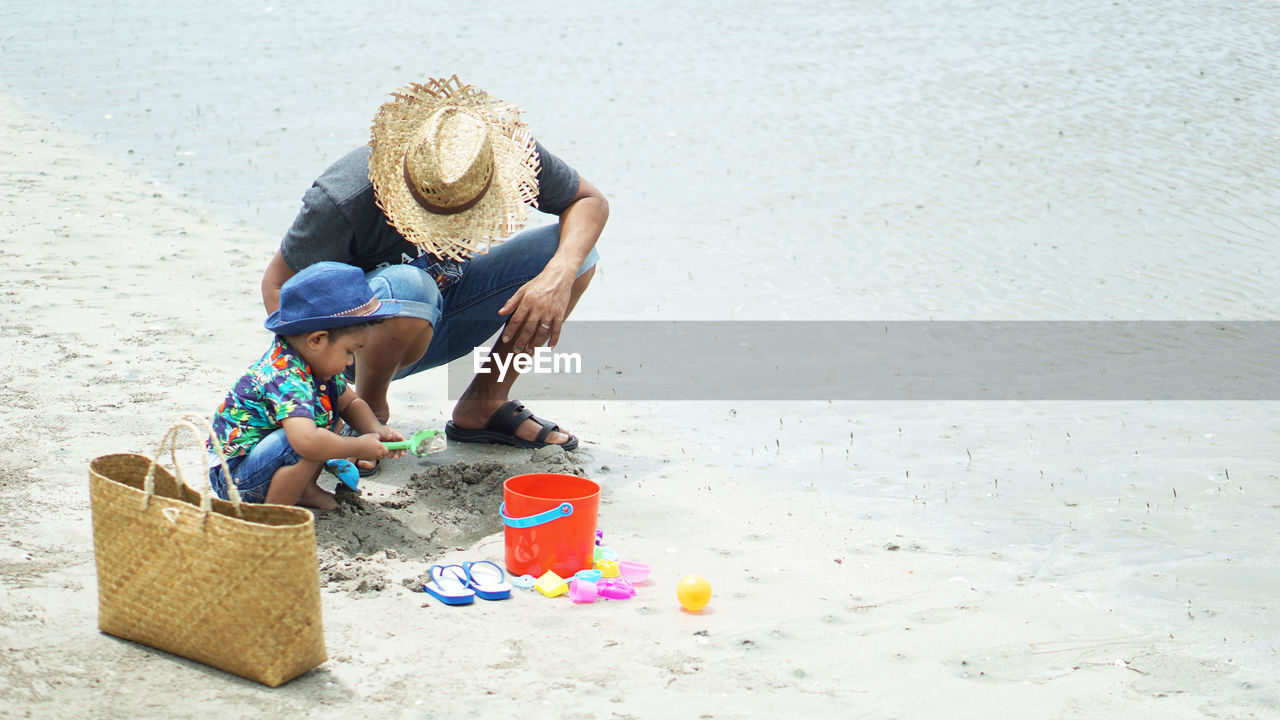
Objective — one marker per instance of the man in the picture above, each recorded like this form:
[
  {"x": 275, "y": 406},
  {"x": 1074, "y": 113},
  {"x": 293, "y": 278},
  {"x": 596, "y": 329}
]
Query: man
[{"x": 448, "y": 171}]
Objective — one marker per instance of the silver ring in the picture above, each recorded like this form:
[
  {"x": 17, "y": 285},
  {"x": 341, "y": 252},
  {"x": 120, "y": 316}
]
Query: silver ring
[{"x": 544, "y": 326}]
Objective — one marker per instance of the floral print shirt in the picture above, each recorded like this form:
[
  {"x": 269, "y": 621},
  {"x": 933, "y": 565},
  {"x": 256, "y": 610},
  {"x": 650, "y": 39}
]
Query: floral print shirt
[{"x": 279, "y": 385}]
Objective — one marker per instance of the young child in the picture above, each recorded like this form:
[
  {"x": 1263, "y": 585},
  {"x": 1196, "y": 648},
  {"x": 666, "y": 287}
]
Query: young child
[{"x": 276, "y": 426}]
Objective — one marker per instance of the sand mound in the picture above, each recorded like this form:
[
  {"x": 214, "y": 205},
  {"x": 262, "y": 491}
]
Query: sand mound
[{"x": 438, "y": 509}]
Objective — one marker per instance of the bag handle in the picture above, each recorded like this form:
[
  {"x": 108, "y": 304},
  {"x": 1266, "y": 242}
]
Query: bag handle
[{"x": 171, "y": 437}]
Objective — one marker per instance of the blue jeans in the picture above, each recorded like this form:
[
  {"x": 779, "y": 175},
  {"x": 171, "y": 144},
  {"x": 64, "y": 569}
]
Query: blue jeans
[
  {"x": 465, "y": 315},
  {"x": 252, "y": 473}
]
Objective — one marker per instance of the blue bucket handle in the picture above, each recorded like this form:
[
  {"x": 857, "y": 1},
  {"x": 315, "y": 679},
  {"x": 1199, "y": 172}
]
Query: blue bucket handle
[{"x": 562, "y": 510}]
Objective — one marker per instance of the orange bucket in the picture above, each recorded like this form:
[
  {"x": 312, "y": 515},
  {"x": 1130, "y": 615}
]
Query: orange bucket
[{"x": 550, "y": 523}]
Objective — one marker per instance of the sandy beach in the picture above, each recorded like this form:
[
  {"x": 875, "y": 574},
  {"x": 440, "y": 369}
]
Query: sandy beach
[{"x": 887, "y": 559}]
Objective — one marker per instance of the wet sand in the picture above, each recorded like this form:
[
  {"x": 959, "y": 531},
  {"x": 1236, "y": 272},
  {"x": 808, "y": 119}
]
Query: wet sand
[{"x": 1068, "y": 559}]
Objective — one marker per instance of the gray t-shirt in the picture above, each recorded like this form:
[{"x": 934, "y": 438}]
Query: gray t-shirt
[{"x": 340, "y": 221}]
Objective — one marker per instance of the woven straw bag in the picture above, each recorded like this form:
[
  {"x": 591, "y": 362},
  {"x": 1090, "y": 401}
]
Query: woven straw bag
[{"x": 231, "y": 585}]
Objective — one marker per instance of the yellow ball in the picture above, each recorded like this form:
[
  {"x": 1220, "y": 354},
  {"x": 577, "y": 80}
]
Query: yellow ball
[{"x": 693, "y": 592}]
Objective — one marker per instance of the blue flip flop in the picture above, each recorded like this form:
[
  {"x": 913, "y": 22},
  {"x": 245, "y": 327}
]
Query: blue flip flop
[
  {"x": 487, "y": 580},
  {"x": 449, "y": 585}
]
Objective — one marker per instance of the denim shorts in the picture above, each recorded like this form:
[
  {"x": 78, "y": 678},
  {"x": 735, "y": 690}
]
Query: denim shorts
[
  {"x": 252, "y": 473},
  {"x": 465, "y": 315}
]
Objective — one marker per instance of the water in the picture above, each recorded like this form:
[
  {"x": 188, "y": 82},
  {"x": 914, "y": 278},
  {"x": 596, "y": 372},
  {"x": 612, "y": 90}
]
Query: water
[{"x": 811, "y": 160}]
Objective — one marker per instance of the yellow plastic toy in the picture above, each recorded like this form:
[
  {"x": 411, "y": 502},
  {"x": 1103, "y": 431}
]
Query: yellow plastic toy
[
  {"x": 608, "y": 568},
  {"x": 551, "y": 585},
  {"x": 693, "y": 592}
]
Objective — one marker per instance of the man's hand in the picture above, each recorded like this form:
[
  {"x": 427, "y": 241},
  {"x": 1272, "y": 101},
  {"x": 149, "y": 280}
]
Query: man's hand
[{"x": 537, "y": 311}]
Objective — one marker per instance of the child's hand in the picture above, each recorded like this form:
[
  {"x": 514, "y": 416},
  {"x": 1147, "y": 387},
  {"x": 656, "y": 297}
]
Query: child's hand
[
  {"x": 369, "y": 447},
  {"x": 386, "y": 434}
]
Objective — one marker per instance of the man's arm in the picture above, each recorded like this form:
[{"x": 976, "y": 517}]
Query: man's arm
[
  {"x": 544, "y": 300},
  {"x": 320, "y": 231},
  {"x": 580, "y": 226},
  {"x": 278, "y": 271}
]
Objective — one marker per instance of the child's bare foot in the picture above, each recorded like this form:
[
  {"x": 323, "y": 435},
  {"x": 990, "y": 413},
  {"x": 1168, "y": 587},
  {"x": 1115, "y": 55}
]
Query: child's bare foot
[{"x": 314, "y": 496}]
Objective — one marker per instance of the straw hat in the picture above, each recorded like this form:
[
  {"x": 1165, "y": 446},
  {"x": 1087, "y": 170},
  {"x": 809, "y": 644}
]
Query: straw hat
[{"x": 452, "y": 167}]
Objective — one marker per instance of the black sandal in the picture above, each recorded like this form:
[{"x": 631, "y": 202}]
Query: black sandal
[{"x": 501, "y": 429}]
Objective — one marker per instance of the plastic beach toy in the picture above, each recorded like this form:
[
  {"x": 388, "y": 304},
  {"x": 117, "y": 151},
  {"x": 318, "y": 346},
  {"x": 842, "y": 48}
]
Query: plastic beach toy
[
  {"x": 551, "y": 585},
  {"x": 632, "y": 571},
  {"x": 524, "y": 582},
  {"x": 693, "y": 592},
  {"x": 345, "y": 471},
  {"x": 589, "y": 575},
  {"x": 582, "y": 591},
  {"x": 423, "y": 443},
  {"x": 604, "y": 553},
  {"x": 549, "y": 522},
  {"x": 607, "y": 568},
  {"x": 615, "y": 589}
]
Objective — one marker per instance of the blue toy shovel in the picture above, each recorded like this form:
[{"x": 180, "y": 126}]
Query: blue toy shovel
[{"x": 345, "y": 470}]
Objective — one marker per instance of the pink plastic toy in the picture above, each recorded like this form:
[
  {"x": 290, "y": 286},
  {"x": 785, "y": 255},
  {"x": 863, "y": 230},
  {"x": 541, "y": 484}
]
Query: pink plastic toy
[
  {"x": 582, "y": 591},
  {"x": 633, "y": 572},
  {"x": 615, "y": 589}
]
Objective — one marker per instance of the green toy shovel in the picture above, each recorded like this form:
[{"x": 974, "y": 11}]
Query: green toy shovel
[{"x": 422, "y": 444}]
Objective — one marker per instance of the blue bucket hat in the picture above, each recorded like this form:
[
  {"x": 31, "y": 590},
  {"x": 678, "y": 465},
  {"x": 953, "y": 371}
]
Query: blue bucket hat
[{"x": 326, "y": 295}]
